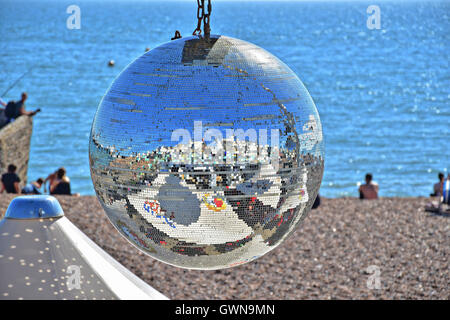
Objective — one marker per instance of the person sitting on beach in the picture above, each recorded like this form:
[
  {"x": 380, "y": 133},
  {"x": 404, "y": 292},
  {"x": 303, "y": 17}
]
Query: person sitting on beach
[
  {"x": 368, "y": 190},
  {"x": 15, "y": 109},
  {"x": 50, "y": 178},
  {"x": 10, "y": 181},
  {"x": 33, "y": 187},
  {"x": 3, "y": 119},
  {"x": 60, "y": 184},
  {"x": 442, "y": 193},
  {"x": 53, "y": 179},
  {"x": 437, "y": 188}
]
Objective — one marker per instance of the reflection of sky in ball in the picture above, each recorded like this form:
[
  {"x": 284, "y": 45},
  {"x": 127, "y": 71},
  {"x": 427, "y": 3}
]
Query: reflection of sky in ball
[
  {"x": 199, "y": 213},
  {"x": 158, "y": 86}
]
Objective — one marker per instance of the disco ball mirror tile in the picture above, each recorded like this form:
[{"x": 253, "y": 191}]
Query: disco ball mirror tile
[{"x": 206, "y": 154}]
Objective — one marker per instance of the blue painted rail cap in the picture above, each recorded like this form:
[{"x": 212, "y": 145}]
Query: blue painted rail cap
[{"x": 34, "y": 207}]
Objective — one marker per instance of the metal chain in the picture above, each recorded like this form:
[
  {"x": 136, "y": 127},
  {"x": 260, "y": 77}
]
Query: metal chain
[
  {"x": 207, "y": 14},
  {"x": 198, "y": 30},
  {"x": 203, "y": 14}
]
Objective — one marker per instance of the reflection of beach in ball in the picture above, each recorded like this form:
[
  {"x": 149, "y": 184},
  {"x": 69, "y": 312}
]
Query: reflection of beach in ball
[{"x": 206, "y": 154}]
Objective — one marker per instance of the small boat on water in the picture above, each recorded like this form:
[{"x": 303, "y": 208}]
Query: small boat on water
[{"x": 15, "y": 140}]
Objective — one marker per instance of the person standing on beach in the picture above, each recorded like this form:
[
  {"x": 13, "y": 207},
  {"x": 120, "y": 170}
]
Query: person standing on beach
[
  {"x": 10, "y": 181},
  {"x": 369, "y": 190},
  {"x": 13, "y": 109},
  {"x": 437, "y": 188}
]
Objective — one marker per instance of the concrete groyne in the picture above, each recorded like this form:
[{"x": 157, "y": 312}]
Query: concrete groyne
[{"x": 15, "y": 141}]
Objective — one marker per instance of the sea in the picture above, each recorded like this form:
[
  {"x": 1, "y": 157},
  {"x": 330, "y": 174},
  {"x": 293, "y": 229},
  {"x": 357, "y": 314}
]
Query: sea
[{"x": 382, "y": 90}]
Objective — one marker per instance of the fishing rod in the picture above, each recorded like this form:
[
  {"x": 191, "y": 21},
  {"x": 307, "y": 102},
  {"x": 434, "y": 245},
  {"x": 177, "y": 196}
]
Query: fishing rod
[{"x": 17, "y": 81}]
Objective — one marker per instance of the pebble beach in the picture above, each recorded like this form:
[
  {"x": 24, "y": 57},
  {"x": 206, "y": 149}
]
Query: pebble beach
[{"x": 335, "y": 254}]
